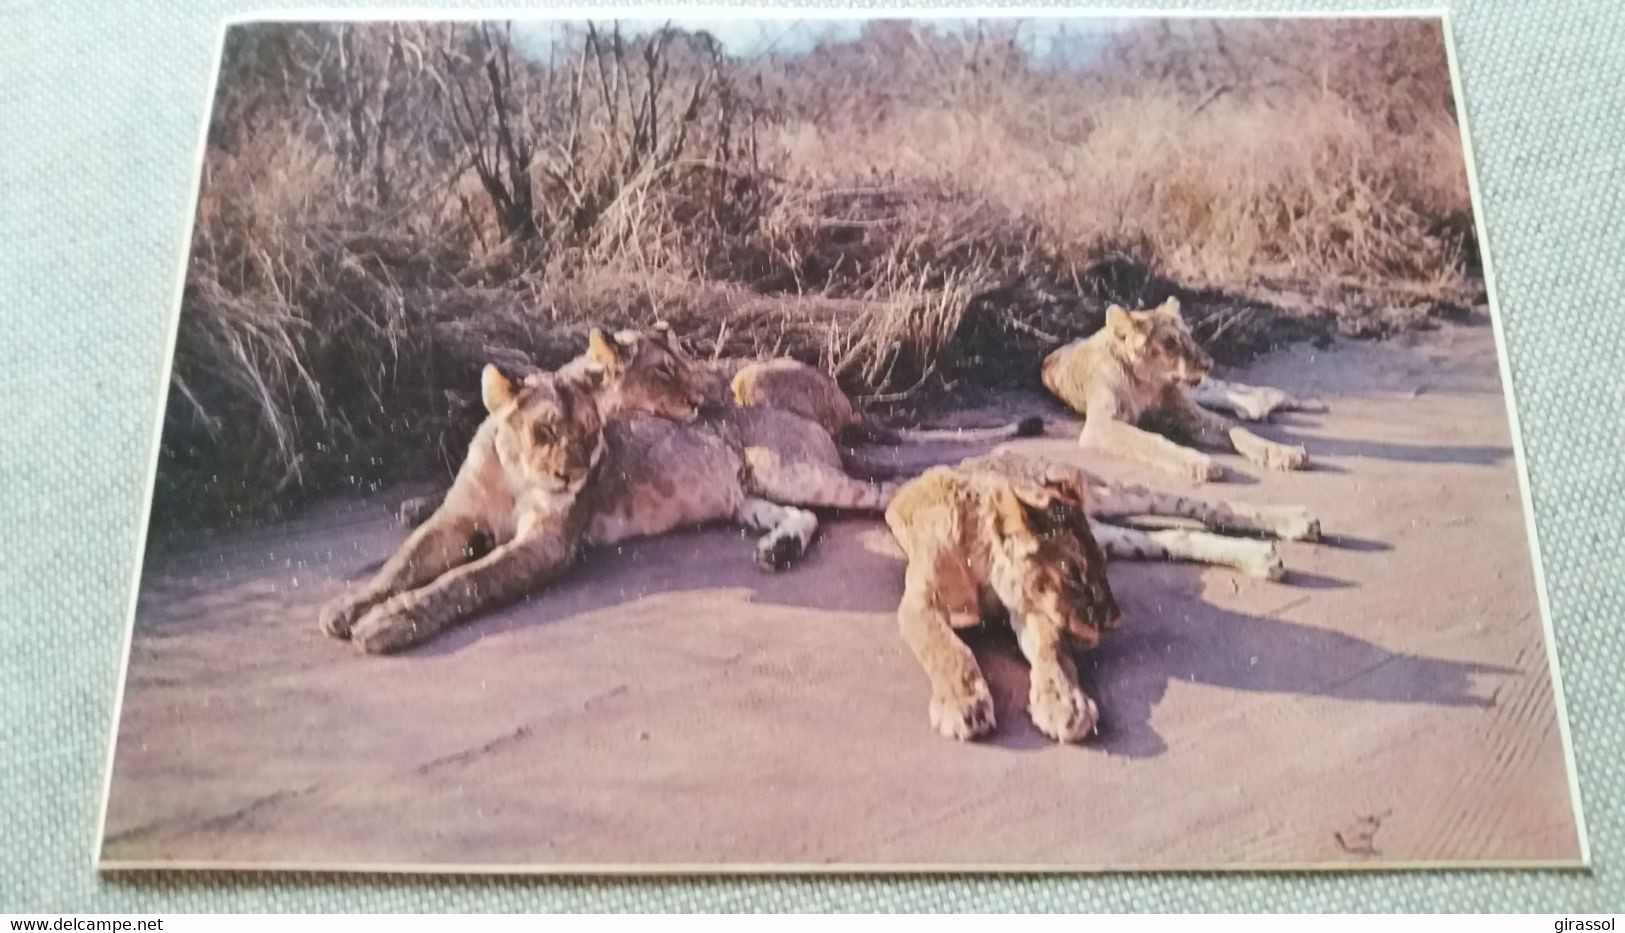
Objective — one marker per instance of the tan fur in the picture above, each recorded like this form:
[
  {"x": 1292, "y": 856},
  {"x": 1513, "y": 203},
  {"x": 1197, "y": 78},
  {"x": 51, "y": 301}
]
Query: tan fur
[
  {"x": 1250, "y": 403},
  {"x": 793, "y": 386},
  {"x": 664, "y": 468},
  {"x": 511, "y": 520},
  {"x": 781, "y": 460},
  {"x": 775, "y": 454},
  {"x": 1137, "y": 370},
  {"x": 762, "y": 468},
  {"x": 644, "y": 372},
  {"x": 1109, "y": 504},
  {"x": 977, "y": 539},
  {"x": 544, "y": 478}
]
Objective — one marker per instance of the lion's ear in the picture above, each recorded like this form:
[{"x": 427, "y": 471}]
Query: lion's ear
[
  {"x": 496, "y": 390},
  {"x": 1011, "y": 516},
  {"x": 603, "y": 349},
  {"x": 1119, "y": 321},
  {"x": 1025, "y": 508},
  {"x": 1046, "y": 509},
  {"x": 1065, "y": 490},
  {"x": 590, "y": 377},
  {"x": 1169, "y": 309}
]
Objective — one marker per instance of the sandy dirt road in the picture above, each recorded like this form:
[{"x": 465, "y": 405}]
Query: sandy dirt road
[{"x": 670, "y": 705}]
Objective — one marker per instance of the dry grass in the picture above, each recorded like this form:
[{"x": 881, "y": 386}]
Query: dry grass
[{"x": 385, "y": 208}]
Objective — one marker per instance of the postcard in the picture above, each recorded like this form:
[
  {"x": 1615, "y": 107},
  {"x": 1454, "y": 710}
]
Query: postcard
[{"x": 791, "y": 441}]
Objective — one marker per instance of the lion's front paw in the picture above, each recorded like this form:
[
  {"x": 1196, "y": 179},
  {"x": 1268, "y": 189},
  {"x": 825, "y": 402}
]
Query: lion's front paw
[
  {"x": 391, "y": 627},
  {"x": 1297, "y": 524},
  {"x": 338, "y": 615},
  {"x": 1266, "y": 564},
  {"x": 776, "y": 552},
  {"x": 1283, "y": 457},
  {"x": 1204, "y": 469},
  {"x": 1256, "y": 409},
  {"x": 964, "y": 714},
  {"x": 1059, "y": 709}
]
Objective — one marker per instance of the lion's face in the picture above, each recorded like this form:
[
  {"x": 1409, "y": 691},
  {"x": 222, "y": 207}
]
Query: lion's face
[
  {"x": 547, "y": 428},
  {"x": 1159, "y": 343},
  {"x": 1062, "y": 568},
  {"x": 653, "y": 374}
]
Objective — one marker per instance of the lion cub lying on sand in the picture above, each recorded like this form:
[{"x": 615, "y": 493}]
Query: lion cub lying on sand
[
  {"x": 979, "y": 540},
  {"x": 1140, "y": 368}
]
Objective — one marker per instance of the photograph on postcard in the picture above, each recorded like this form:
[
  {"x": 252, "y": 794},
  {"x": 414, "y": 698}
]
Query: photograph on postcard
[{"x": 1033, "y": 442}]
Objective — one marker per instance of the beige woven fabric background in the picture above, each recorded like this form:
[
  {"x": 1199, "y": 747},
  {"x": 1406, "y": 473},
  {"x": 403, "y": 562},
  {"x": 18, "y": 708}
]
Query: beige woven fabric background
[{"x": 100, "y": 107}]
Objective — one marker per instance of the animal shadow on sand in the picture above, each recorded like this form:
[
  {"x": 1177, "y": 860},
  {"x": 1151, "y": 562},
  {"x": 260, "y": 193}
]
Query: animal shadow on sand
[
  {"x": 1170, "y": 631},
  {"x": 1410, "y": 453}
]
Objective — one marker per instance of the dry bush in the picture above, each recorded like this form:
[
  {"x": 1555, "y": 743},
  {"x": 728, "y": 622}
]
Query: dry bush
[
  {"x": 904, "y": 329},
  {"x": 386, "y": 207},
  {"x": 1228, "y": 183}
]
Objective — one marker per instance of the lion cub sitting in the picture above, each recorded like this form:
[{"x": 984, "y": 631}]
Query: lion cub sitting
[
  {"x": 1139, "y": 369},
  {"x": 977, "y": 540}
]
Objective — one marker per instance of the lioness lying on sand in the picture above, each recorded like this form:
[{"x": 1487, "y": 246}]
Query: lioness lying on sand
[
  {"x": 545, "y": 476},
  {"x": 513, "y": 519},
  {"x": 1138, "y": 370}
]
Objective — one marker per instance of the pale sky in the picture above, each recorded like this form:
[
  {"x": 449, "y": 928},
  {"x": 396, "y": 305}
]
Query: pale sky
[{"x": 750, "y": 37}]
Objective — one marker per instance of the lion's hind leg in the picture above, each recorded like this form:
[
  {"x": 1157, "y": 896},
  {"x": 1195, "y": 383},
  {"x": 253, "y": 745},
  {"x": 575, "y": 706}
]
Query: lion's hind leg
[
  {"x": 816, "y": 485},
  {"x": 1254, "y": 558},
  {"x": 1290, "y": 522},
  {"x": 1252, "y": 403},
  {"x": 787, "y": 531}
]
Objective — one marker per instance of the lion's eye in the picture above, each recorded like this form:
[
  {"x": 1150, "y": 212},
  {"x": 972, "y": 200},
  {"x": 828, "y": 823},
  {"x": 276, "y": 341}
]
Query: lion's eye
[{"x": 543, "y": 434}]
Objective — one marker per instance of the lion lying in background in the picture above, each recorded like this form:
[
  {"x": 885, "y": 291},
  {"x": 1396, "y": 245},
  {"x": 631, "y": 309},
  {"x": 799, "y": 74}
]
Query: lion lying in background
[
  {"x": 1140, "y": 369},
  {"x": 791, "y": 385},
  {"x": 796, "y": 388},
  {"x": 978, "y": 540}
]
